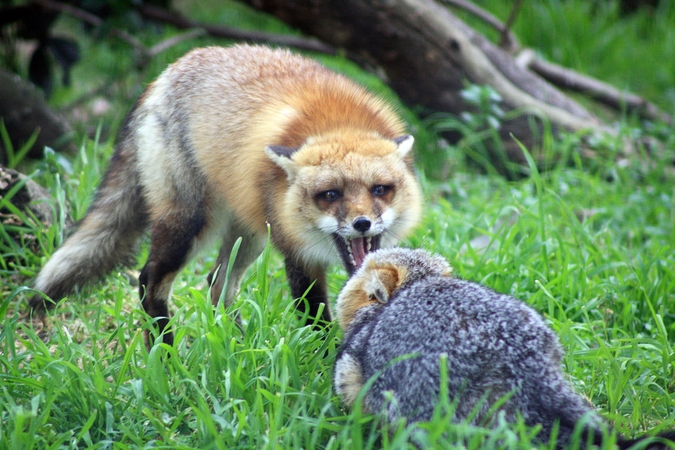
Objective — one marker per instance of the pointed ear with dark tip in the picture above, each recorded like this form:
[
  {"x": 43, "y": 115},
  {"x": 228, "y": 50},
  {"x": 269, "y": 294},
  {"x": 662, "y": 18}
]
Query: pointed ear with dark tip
[
  {"x": 404, "y": 144},
  {"x": 280, "y": 150},
  {"x": 282, "y": 157}
]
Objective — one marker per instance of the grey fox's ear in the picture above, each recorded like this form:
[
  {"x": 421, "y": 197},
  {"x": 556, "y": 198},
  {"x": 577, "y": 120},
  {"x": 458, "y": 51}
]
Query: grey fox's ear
[
  {"x": 379, "y": 294},
  {"x": 282, "y": 157},
  {"x": 383, "y": 282},
  {"x": 404, "y": 144}
]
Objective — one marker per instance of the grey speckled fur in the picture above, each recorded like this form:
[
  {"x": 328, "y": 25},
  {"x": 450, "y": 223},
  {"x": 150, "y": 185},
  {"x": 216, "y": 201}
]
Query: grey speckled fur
[{"x": 495, "y": 346}]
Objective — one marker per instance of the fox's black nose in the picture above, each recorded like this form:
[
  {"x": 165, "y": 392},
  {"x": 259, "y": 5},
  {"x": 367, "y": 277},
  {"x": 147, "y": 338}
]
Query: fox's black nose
[{"x": 361, "y": 224}]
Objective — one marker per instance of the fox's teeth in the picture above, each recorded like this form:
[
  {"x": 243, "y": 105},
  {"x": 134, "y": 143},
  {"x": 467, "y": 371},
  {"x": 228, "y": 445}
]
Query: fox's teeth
[
  {"x": 368, "y": 239},
  {"x": 349, "y": 251}
]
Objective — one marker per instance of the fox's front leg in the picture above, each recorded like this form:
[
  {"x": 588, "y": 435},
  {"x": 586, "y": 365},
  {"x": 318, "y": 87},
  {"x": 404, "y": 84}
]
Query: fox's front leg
[{"x": 300, "y": 280}]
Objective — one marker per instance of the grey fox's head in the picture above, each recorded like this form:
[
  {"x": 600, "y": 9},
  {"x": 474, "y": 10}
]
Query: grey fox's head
[{"x": 384, "y": 272}]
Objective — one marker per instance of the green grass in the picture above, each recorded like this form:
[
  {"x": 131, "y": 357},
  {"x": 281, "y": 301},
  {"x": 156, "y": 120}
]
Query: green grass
[
  {"x": 605, "y": 284},
  {"x": 589, "y": 243}
]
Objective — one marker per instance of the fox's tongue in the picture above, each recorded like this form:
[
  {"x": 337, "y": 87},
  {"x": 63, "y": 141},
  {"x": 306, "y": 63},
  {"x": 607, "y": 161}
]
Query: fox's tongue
[{"x": 359, "y": 250}]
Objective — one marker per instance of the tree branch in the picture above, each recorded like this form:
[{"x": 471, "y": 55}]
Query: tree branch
[
  {"x": 179, "y": 21},
  {"x": 596, "y": 89},
  {"x": 170, "y": 42},
  {"x": 91, "y": 19},
  {"x": 508, "y": 40}
]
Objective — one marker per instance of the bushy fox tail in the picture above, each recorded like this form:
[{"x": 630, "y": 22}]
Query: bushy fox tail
[
  {"x": 105, "y": 238},
  {"x": 661, "y": 441},
  {"x": 593, "y": 428}
]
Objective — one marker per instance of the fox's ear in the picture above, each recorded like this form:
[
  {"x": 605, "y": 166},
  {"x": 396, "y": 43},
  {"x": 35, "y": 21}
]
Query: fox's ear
[
  {"x": 377, "y": 291},
  {"x": 404, "y": 144},
  {"x": 384, "y": 281},
  {"x": 283, "y": 157}
]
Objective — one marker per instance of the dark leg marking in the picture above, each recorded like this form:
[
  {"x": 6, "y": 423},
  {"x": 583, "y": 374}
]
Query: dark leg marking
[
  {"x": 299, "y": 282},
  {"x": 171, "y": 242}
]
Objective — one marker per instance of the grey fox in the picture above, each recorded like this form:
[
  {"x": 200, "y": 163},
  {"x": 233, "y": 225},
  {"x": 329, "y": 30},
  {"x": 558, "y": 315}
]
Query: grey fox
[{"x": 406, "y": 304}]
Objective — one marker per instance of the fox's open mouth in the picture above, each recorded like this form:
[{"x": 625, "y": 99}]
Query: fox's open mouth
[{"x": 354, "y": 251}]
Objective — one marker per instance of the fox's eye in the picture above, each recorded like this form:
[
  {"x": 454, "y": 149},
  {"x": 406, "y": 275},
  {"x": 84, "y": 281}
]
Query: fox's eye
[
  {"x": 380, "y": 189},
  {"x": 330, "y": 196}
]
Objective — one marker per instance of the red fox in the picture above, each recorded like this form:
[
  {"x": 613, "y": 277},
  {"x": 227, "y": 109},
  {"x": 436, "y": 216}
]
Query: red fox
[{"x": 226, "y": 141}]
